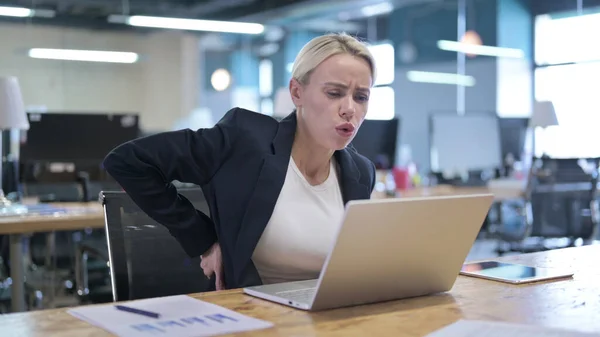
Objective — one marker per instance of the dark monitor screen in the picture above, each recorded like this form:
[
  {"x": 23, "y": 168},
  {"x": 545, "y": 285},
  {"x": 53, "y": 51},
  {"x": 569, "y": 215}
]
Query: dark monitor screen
[
  {"x": 377, "y": 140},
  {"x": 75, "y": 136},
  {"x": 512, "y": 136}
]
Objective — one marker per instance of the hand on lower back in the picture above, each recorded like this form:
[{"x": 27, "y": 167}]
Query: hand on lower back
[{"x": 212, "y": 264}]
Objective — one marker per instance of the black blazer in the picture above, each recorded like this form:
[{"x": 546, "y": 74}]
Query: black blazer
[{"x": 240, "y": 164}]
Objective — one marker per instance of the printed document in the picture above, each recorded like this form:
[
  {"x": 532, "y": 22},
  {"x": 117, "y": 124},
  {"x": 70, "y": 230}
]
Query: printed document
[
  {"x": 180, "y": 316},
  {"x": 468, "y": 328}
]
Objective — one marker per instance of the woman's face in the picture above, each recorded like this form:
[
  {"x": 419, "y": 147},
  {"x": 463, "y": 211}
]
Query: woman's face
[{"x": 334, "y": 102}]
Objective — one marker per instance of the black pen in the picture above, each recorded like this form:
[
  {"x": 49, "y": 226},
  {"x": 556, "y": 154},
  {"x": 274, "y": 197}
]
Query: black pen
[{"x": 137, "y": 311}]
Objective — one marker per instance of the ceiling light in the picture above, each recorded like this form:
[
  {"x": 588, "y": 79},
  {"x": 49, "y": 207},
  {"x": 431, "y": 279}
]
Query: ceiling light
[
  {"x": 220, "y": 79},
  {"x": 189, "y": 24},
  {"x": 474, "y": 49},
  {"x": 378, "y": 9},
  {"x": 18, "y": 12},
  {"x": 21, "y": 12},
  {"x": 440, "y": 78},
  {"x": 83, "y": 55}
]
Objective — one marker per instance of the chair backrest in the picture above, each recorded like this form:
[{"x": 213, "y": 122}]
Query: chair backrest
[
  {"x": 145, "y": 260},
  {"x": 567, "y": 213},
  {"x": 562, "y": 200}
]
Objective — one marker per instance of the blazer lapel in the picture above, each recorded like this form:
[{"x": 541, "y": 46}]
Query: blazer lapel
[
  {"x": 350, "y": 184},
  {"x": 266, "y": 192}
]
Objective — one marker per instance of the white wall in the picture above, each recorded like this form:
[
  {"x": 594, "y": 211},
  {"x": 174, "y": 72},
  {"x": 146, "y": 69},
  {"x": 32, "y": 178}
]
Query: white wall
[
  {"x": 416, "y": 101},
  {"x": 162, "y": 87}
]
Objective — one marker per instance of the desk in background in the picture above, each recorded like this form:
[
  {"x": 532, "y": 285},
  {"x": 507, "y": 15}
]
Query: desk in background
[
  {"x": 500, "y": 194},
  {"x": 569, "y": 304},
  {"x": 71, "y": 216}
]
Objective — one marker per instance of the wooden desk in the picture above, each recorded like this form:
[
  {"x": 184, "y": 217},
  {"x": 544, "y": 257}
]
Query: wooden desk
[
  {"x": 500, "y": 194},
  {"x": 571, "y": 304},
  {"x": 77, "y": 216}
]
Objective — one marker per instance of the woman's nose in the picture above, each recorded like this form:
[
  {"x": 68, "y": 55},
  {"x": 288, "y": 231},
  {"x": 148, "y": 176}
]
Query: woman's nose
[{"x": 348, "y": 107}]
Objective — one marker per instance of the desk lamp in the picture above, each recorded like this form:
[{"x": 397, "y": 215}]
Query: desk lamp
[
  {"x": 543, "y": 116},
  {"x": 12, "y": 116}
]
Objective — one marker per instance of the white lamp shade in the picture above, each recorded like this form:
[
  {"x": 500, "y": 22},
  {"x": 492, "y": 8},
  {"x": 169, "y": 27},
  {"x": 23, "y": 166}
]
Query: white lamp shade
[
  {"x": 12, "y": 108},
  {"x": 283, "y": 104},
  {"x": 543, "y": 115}
]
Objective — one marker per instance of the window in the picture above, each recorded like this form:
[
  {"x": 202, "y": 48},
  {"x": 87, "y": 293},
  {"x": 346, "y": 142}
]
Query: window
[
  {"x": 573, "y": 90},
  {"x": 266, "y": 106},
  {"x": 381, "y": 103},
  {"x": 265, "y": 78},
  {"x": 384, "y": 61},
  {"x": 568, "y": 39},
  {"x": 571, "y": 87},
  {"x": 382, "y": 98}
]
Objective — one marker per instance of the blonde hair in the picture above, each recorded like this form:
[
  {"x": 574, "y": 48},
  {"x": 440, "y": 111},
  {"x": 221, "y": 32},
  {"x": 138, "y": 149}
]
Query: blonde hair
[{"x": 323, "y": 47}]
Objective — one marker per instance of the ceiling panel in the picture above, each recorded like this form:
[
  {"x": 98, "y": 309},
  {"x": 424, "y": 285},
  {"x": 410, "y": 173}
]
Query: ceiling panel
[{"x": 206, "y": 9}]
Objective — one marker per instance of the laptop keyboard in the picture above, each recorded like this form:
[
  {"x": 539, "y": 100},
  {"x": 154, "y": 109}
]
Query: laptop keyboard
[{"x": 305, "y": 295}]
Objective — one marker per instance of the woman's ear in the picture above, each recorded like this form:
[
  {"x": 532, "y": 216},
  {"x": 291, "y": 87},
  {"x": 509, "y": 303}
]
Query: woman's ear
[{"x": 296, "y": 92}]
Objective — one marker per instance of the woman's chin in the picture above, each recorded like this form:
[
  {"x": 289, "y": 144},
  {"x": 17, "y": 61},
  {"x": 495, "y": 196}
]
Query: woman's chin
[{"x": 340, "y": 145}]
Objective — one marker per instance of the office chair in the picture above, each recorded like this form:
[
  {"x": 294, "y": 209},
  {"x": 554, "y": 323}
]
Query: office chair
[
  {"x": 560, "y": 202},
  {"x": 145, "y": 260}
]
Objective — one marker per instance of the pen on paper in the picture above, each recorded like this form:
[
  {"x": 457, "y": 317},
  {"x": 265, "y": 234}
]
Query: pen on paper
[{"x": 137, "y": 311}]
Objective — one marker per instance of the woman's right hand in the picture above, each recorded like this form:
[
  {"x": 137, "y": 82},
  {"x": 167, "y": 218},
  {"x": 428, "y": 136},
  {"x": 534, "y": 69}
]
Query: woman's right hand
[{"x": 212, "y": 264}]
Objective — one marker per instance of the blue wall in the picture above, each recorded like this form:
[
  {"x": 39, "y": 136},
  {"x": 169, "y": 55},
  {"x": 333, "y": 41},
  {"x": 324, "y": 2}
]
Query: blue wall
[
  {"x": 515, "y": 26},
  {"x": 425, "y": 24},
  {"x": 244, "y": 69},
  {"x": 505, "y": 23}
]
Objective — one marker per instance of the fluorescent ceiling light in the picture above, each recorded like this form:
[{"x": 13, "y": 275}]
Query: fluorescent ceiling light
[
  {"x": 83, "y": 55},
  {"x": 440, "y": 78},
  {"x": 378, "y": 9},
  {"x": 21, "y": 12},
  {"x": 189, "y": 24},
  {"x": 18, "y": 12},
  {"x": 466, "y": 48}
]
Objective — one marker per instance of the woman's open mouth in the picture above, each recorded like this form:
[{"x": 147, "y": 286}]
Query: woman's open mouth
[{"x": 345, "y": 130}]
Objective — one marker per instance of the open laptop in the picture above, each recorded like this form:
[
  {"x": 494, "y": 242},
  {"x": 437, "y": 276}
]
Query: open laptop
[{"x": 389, "y": 249}]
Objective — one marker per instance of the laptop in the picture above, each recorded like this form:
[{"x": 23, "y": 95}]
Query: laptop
[{"x": 389, "y": 249}]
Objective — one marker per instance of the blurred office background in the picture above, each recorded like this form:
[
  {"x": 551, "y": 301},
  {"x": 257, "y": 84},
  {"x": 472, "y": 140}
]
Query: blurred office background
[{"x": 470, "y": 93}]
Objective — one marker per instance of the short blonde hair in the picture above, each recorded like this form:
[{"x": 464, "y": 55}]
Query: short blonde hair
[{"x": 323, "y": 47}]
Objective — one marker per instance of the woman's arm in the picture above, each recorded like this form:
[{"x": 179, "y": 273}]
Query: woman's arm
[{"x": 146, "y": 167}]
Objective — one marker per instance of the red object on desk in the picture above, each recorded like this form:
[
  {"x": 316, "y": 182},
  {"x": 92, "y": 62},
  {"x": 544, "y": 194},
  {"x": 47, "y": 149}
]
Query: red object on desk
[{"x": 401, "y": 178}]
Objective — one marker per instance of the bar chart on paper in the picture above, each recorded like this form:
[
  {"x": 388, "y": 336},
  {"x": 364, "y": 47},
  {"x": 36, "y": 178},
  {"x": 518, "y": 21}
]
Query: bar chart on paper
[{"x": 174, "y": 316}]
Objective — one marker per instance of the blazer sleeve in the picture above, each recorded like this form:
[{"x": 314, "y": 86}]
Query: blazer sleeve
[
  {"x": 373, "y": 175},
  {"x": 146, "y": 167}
]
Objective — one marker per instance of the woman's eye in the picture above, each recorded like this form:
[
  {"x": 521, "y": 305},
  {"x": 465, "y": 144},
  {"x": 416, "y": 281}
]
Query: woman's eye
[
  {"x": 362, "y": 98},
  {"x": 334, "y": 94}
]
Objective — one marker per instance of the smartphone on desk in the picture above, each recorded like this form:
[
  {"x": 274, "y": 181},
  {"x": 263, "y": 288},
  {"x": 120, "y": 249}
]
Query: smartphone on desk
[{"x": 511, "y": 272}]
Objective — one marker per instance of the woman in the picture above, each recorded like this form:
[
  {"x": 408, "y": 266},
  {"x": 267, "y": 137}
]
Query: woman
[{"x": 276, "y": 190}]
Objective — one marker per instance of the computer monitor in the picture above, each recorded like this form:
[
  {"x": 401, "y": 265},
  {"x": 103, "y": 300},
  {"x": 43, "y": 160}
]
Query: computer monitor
[
  {"x": 75, "y": 137},
  {"x": 513, "y": 132},
  {"x": 463, "y": 143},
  {"x": 377, "y": 140}
]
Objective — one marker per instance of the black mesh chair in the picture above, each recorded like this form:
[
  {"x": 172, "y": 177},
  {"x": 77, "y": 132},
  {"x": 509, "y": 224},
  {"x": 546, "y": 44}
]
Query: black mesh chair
[
  {"x": 561, "y": 203},
  {"x": 145, "y": 260}
]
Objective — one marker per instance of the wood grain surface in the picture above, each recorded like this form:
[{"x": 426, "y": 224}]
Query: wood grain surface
[
  {"x": 571, "y": 304},
  {"x": 79, "y": 216}
]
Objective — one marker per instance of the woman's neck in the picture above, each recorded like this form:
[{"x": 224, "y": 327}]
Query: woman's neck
[{"x": 310, "y": 158}]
